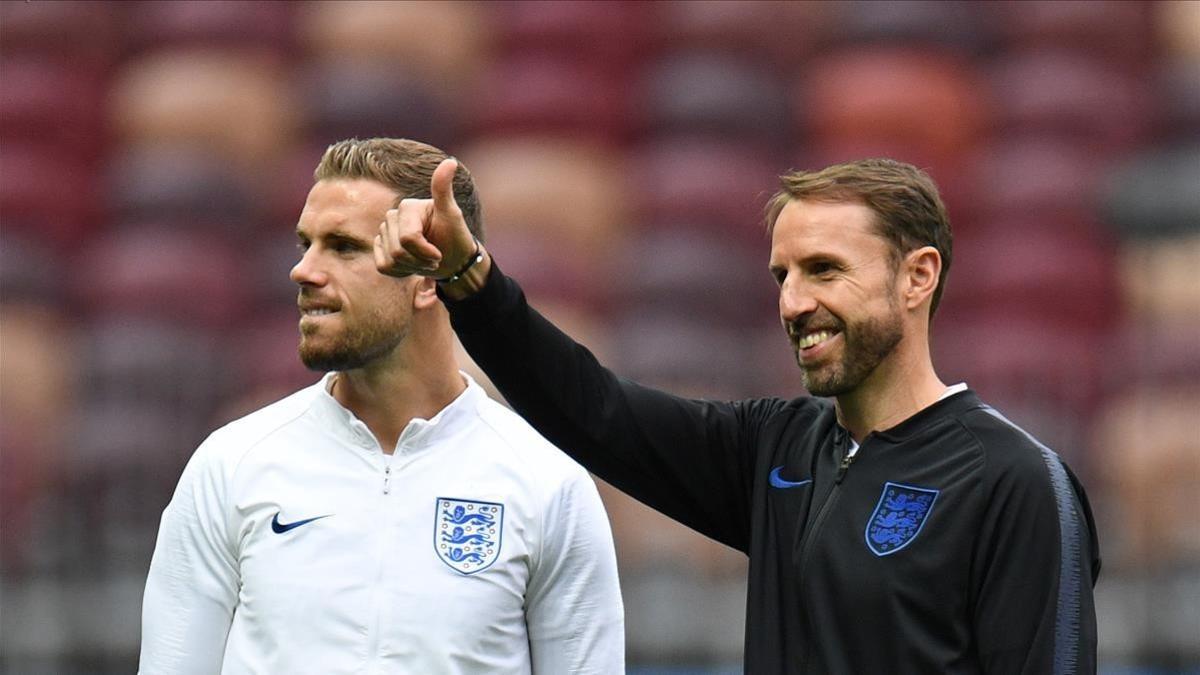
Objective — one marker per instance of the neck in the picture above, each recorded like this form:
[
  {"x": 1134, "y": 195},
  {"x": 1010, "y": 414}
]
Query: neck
[
  {"x": 900, "y": 387},
  {"x": 417, "y": 380}
]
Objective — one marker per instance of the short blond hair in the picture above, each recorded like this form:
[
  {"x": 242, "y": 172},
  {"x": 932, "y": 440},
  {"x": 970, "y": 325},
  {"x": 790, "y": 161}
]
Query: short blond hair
[{"x": 404, "y": 165}]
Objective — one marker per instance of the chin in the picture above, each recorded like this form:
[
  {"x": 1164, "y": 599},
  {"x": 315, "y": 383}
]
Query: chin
[
  {"x": 323, "y": 360},
  {"x": 833, "y": 384}
]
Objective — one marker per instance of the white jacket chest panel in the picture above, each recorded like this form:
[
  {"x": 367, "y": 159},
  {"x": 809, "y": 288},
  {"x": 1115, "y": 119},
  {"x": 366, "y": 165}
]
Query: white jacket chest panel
[{"x": 365, "y": 576}]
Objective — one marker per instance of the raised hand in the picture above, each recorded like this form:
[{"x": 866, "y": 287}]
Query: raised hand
[{"x": 426, "y": 236}]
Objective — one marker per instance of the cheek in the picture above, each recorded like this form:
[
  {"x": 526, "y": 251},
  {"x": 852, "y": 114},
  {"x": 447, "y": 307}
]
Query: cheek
[{"x": 380, "y": 291}]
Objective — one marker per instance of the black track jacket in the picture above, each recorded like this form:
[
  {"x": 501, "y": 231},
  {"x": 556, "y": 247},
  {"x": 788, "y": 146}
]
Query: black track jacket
[{"x": 953, "y": 542}]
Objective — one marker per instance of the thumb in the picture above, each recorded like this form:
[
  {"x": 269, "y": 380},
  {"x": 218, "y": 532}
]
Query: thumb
[{"x": 441, "y": 186}]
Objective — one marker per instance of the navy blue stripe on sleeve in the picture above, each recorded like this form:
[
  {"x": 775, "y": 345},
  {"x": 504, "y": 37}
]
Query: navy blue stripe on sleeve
[{"x": 1067, "y": 618}]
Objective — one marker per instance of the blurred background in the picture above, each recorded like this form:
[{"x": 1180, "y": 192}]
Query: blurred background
[{"x": 154, "y": 157}]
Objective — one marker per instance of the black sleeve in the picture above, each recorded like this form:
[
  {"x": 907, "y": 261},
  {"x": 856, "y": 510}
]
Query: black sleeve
[
  {"x": 1036, "y": 564},
  {"x": 688, "y": 459}
]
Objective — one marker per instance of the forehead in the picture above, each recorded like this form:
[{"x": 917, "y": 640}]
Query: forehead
[
  {"x": 357, "y": 205},
  {"x": 806, "y": 227}
]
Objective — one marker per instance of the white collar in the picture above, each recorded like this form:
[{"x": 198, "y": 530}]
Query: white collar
[
  {"x": 953, "y": 389},
  {"x": 419, "y": 432}
]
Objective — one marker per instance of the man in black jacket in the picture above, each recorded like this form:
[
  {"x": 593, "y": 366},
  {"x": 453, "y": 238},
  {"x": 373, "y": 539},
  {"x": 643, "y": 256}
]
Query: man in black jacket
[{"x": 902, "y": 527}]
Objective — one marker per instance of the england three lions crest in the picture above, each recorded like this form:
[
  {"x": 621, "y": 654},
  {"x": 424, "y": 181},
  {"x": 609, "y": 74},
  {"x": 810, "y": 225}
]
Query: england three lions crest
[
  {"x": 898, "y": 517},
  {"x": 467, "y": 533}
]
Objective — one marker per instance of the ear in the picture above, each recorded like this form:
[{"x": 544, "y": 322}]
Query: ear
[
  {"x": 425, "y": 294},
  {"x": 920, "y": 275}
]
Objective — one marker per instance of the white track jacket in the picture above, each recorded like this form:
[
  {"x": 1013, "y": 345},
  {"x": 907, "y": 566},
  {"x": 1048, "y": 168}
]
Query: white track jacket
[{"x": 293, "y": 544}]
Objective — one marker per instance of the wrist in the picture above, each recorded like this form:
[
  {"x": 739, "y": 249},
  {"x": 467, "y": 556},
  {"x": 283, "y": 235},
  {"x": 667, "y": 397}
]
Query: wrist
[
  {"x": 475, "y": 258},
  {"x": 471, "y": 278}
]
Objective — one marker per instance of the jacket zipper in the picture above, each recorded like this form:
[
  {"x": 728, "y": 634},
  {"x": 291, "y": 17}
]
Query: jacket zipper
[
  {"x": 381, "y": 566},
  {"x": 823, "y": 510},
  {"x": 844, "y": 467},
  {"x": 818, "y": 521}
]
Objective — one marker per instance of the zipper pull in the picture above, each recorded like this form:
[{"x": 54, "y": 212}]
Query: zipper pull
[
  {"x": 387, "y": 477},
  {"x": 846, "y": 462}
]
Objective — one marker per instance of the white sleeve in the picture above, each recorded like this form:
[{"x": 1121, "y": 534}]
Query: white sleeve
[
  {"x": 192, "y": 587},
  {"x": 573, "y": 608}
]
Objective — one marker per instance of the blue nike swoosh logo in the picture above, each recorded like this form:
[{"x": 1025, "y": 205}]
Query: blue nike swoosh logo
[
  {"x": 781, "y": 482},
  {"x": 279, "y": 528}
]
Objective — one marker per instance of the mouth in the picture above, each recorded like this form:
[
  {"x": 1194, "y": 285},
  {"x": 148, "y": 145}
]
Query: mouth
[
  {"x": 316, "y": 311},
  {"x": 812, "y": 345},
  {"x": 312, "y": 313},
  {"x": 810, "y": 340}
]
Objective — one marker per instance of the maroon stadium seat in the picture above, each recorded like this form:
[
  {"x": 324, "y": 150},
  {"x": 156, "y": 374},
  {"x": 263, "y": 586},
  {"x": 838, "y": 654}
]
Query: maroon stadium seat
[
  {"x": 1107, "y": 29},
  {"x": 84, "y": 32},
  {"x": 689, "y": 356},
  {"x": 922, "y": 97},
  {"x": 1178, "y": 85},
  {"x": 750, "y": 28},
  {"x": 151, "y": 365},
  {"x": 534, "y": 93},
  {"x": 960, "y": 26},
  {"x": 55, "y": 101},
  {"x": 51, "y": 196},
  {"x": 1045, "y": 269},
  {"x": 236, "y": 103},
  {"x": 703, "y": 181},
  {"x": 30, "y": 270},
  {"x": 260, "y": 24},
  {"x": 441, "y": 44},
  {"x": 726, "y": 96},
  {"x": 1105, "y": 109},
  {"x": 168, "y": 182},
  {"x": 1021, "y": 175},
  {"x": 612, "y": 35},
  {"x": 191, "y": 276},
  {"x": 688, "y": 272},
  {"x": 356, "y": 100}
]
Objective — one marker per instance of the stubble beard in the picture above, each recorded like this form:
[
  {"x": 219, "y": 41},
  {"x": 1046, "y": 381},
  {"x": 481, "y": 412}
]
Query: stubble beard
[
  {"x": 352, "y": 347},
  {"x": 865, "y": 345}
]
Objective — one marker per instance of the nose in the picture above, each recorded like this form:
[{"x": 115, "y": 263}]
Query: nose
[
  {"x": 307, "y": 272},
  {"x": 795, "y": 301}
]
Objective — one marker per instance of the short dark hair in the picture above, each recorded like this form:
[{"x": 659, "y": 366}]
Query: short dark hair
[
  {"x": 909, "y": 213},
  {"x": 404, "y": 165}
]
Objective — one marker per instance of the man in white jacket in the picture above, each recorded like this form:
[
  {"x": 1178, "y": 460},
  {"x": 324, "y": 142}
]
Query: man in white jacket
[{"x": 390, "y": 518}]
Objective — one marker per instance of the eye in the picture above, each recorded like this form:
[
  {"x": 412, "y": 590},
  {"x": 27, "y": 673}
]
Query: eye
[
  {"x": 822, "y": 268},
  {"x": 778, "y": 274},
  {"x": 302, "y": 245}
]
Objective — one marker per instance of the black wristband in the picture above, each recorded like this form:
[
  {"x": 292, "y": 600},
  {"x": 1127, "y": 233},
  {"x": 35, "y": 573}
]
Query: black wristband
[{"x": 475, "y": 258}]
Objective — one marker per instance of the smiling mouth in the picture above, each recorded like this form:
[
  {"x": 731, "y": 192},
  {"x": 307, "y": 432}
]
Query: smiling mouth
[
  {"x": 815, "y": 338},
  {"x": 321, "y": 311}
]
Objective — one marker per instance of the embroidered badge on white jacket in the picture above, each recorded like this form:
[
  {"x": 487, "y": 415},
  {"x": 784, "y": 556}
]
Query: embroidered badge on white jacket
[{"x": 467, "y": 533}]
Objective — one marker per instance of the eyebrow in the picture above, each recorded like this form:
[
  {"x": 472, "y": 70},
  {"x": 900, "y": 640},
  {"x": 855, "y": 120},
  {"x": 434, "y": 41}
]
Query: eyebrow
[
  {"x": 335, "y": 235},
  {"x": 808, "y": 259}
]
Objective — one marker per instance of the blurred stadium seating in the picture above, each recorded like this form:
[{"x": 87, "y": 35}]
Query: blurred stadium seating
[{"x": 154, "y": 155}]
